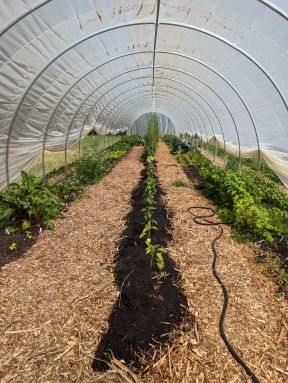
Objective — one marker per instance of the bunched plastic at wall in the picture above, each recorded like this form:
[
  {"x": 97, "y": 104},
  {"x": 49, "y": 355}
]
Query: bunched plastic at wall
[{"x": 212, "y": 68}]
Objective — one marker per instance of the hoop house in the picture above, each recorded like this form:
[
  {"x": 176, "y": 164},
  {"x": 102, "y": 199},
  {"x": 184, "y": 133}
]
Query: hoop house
[{"x": 216, "y": 69}]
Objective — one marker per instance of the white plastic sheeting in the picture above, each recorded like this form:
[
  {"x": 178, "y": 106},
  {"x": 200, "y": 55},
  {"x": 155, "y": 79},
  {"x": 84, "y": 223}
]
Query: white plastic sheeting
[
  {"x": 214, "y": 68},
  {"x": 165, "y": 125}
]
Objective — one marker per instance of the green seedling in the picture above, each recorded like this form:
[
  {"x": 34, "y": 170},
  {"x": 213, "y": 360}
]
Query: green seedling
[
  {"x": 155, "y": 250},
  {"x": 10, "y": 230},
  {"x": 150, "y": 225},
  {"x": 13, "y": 246},
  {"x": 28, "y": 234},
  {"x": 26, "y": 225}
]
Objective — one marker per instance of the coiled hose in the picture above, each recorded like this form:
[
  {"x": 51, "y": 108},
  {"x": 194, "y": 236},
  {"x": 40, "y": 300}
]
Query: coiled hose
[{"x": 202, "y": 220}]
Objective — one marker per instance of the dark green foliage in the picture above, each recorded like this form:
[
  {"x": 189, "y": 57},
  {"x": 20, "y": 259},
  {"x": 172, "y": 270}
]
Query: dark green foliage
[
  {"x": 90, "y": 168},
  {"x": 29, "y": 199},
  {"x": 133, "y": 140},
  {"x": 34, "y": 201},
  {"x": 179, "y": 183},
  {"x": 151, "y": 137},
  {"x": 250, "y": 203},
  {"x": 68, "y": 190},
  {"x": 250, "y": 163},
  {"x": 176, "y": 144},
  {"x": 253, "y": 205}
]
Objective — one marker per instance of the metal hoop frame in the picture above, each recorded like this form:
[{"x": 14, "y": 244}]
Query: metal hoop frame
[{"x": 157, "y": 24}]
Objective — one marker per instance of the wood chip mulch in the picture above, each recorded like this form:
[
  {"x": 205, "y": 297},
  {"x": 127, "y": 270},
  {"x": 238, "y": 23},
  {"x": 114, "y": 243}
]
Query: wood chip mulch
[
  {"x": 55, "y": 302},
  {"x": 257, "y": 321}
]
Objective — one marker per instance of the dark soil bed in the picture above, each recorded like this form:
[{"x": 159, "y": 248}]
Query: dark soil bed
[
  {"x": 22, "y": 244},
  {"x": 192, "y": 172},
  {"x": 148, "y": 308}
]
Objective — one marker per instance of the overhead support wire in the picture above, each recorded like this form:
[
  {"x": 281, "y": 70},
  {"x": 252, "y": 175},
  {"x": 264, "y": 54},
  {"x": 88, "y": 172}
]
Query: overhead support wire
[
  {"x": 155, "y": 39},
  {"x": 234, "y": 47},
  {"x": 21, "y": 17},
  {"x": 190, "y": 99},
  {"x": 143, "y": 52},
  {"x": 232, "y": 87},
  {"x": 136, "y": 53},
  {"x": 182, "y": 84},
  {"x": 166, "y": 78},
  {"x": 65, "y": 94},
  {"x": 136, "y": 69}
]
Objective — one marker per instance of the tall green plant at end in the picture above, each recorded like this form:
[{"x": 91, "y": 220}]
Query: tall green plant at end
[{"x": 151, "y": 137}]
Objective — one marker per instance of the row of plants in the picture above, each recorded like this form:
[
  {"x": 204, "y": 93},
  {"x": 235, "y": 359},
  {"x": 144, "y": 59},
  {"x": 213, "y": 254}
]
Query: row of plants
[
  {"x": 33, "y": 202},
  {"x": 248, "y": 201},
  {"x": 154, "y": 250},
  {"x": 176, "y": 144},
  {"x": 254, "y": 206},
  {"x": 251, "y": 163}
]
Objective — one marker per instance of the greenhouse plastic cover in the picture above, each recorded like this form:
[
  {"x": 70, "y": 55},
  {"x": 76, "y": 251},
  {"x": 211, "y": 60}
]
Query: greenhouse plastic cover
[{"x": 212, "y": 68}]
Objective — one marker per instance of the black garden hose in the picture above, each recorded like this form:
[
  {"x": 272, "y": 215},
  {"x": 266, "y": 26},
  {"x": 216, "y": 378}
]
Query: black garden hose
[{"x": 202, "y": 220}]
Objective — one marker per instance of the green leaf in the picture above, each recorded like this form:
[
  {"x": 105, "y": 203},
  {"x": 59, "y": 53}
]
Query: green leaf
[
  {"x": 29, "y": 234},
  {"x": 10, "y": 230},
  {"x": 13, "y": 246},
  {"x": 26, "y": 224}
]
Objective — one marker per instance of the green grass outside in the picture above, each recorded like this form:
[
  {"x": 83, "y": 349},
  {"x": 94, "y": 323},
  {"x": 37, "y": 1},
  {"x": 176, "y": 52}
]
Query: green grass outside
[{"x": 54, "y": 160}]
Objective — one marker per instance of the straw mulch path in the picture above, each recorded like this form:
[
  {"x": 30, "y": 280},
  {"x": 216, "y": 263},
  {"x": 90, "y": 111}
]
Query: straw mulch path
[
  {"x": 55, "y": 302},
  {"x": 257, "y": 321}
]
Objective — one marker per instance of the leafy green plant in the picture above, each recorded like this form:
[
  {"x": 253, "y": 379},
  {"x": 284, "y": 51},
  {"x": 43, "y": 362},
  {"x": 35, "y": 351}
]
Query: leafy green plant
[
  {"x": 176, "y": 144},
  {"x": 28, "y": 234},
  {"x": 252, "y": 204},
  {"x": 10, "y": 230},
  {"x": 13, "y": 246},
  {"x": 114, "y": 154},
  {"x": 68, "y": 190},
  {"x": 90, "y": 168},
  {"x": 26, "y": 224},
  {"x": 154, "y": 250},
  {"x": 30, "y": 200},
  {"x": 150, "y": 225},
  {"x": 250, "y": 163}
]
